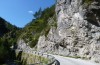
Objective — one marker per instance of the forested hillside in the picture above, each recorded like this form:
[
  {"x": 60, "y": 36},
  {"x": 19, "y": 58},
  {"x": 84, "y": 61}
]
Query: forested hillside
[
  {"x": 38, "y": 26},
  {"x": 8, "y": 37},
  {"x": 6, "y": 27},
  {"x": 10, "y": 34}
]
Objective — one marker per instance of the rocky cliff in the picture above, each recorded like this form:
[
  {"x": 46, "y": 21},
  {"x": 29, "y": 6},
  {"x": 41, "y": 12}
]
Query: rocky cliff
[{"x": 77, "y": 32}]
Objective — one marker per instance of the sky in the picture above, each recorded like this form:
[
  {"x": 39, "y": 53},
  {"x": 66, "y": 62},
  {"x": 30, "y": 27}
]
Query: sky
[{"x": 20, "y": 12}]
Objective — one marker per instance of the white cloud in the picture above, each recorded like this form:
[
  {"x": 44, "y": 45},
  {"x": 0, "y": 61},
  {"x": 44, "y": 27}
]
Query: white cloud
[{"x": 31, "y": 12}]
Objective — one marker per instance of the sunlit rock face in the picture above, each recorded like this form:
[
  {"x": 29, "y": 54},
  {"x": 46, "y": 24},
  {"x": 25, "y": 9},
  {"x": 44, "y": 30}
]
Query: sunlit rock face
[
  {"x": 22, "y": 46},
  {"x": 77, "y": 32}
]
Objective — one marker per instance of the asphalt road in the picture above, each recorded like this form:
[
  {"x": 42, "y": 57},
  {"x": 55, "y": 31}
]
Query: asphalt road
[{"x": 72, "y": 61}]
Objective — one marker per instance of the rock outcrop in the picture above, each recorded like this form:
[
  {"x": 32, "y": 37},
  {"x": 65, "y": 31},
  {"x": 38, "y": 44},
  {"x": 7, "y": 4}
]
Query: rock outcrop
[{"x": 77, "y": 32}]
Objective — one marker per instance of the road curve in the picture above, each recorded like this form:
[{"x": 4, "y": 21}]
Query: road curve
[{"x": 71, "y": 61}]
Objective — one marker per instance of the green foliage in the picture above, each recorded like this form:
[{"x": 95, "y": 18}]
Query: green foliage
[
  {"x": 8, "y": 37},
  {"x": 4, "y": 49},
  {"x": 88, "y": 1},
  {"x": 38, "y": 13},
  {"x": 6, "y": 27},
  {"x": 54, "y": 21},
  {"x": 38, "y": 26},
  {"x": 30, "y": 33},
  {"x": 46, "y": 31}
]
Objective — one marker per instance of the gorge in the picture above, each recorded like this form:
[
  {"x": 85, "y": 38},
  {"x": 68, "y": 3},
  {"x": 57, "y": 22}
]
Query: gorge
[{"x": 70, "y": 28}]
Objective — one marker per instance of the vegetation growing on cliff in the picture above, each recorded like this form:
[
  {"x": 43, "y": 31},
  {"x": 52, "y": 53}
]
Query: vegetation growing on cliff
[
  {"x": 26, "y": 58},
  {"x": 88, "y": 1},
  {"x": 9, "y": 34},
  {"x": 38, "y": 26}
]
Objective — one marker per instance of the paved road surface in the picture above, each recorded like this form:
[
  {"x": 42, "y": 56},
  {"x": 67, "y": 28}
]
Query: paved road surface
[{"x": 71, "y": 61}]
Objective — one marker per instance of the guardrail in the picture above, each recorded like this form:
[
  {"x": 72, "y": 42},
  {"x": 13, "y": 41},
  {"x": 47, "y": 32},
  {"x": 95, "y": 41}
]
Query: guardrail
[{"x": 52, "y": 60}]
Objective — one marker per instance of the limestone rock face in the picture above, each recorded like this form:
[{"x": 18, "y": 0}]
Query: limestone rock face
[
  {"x": 22, "y": 46},
  {"x": 77, "y": 32}
]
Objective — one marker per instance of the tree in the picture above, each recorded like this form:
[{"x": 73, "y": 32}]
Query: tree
[{"x": 38, "y": 13}]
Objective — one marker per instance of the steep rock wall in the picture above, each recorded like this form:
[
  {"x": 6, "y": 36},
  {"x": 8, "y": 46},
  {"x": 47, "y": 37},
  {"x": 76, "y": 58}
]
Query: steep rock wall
[{"x": 77, "y": 32}]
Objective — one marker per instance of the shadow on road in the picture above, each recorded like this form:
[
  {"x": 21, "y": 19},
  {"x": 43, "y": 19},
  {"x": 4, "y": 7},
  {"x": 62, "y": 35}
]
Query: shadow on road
[{"x": 57, "y": 62}]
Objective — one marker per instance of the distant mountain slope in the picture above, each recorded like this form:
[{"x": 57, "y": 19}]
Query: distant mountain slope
[
  {"x": 6, "y": 27},
  {"x": 8, "y": 37}
]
